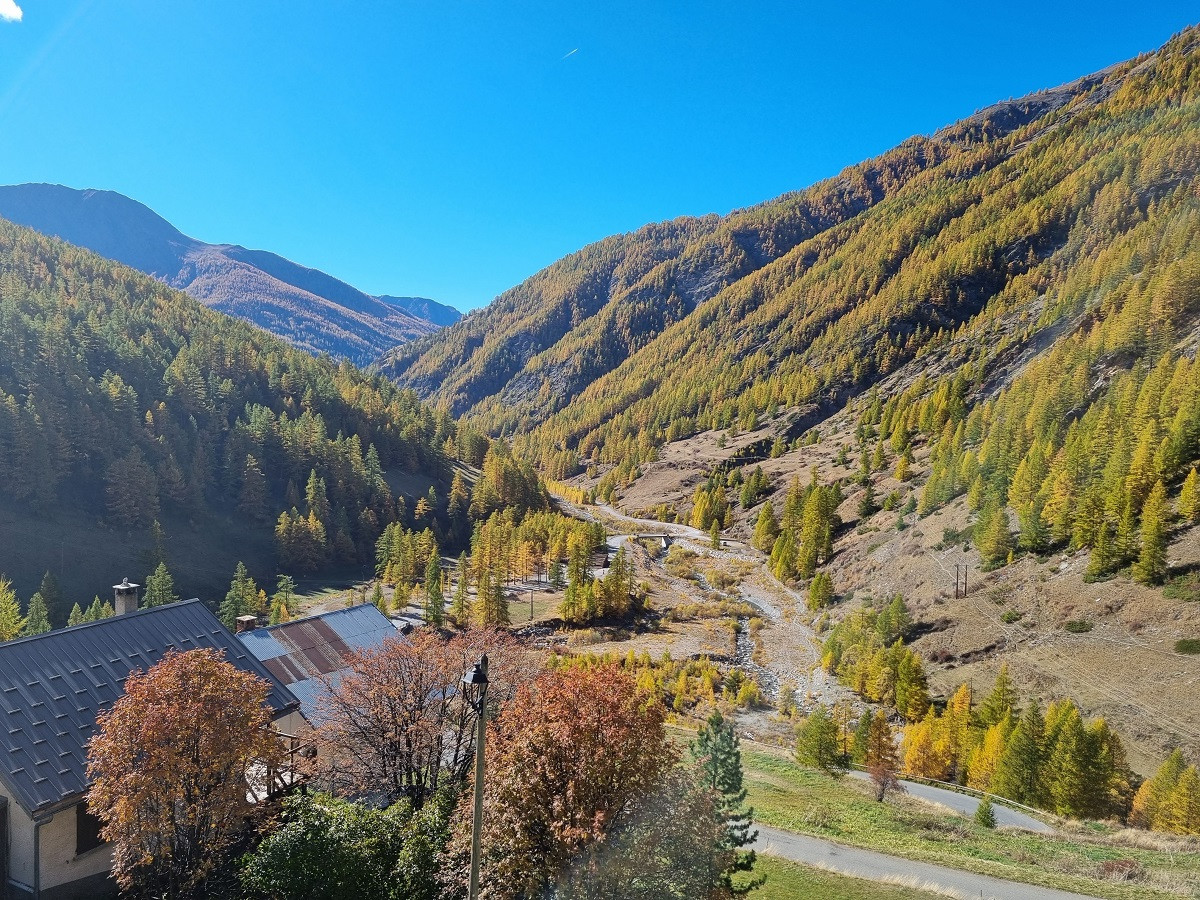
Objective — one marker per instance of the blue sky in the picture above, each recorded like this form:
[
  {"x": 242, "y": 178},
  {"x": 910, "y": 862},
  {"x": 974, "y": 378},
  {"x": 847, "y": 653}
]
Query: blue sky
[{"x": 451, "y": 149}]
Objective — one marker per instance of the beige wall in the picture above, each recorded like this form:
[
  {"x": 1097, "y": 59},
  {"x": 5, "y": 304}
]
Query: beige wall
[
  {"x": 20, "y": 841},
  {"x": 60, "y": 865}
]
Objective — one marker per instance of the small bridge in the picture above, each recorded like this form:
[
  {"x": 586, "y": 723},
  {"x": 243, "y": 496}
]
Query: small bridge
[{"x": 662, "y": 537}]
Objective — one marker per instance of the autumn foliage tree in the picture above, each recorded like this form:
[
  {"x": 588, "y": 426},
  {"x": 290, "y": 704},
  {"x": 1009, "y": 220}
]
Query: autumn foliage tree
[
  {"x": 395, "y": 724},
  {"x": 571, "y": 752},
  {"x": 168, "y": 766}
]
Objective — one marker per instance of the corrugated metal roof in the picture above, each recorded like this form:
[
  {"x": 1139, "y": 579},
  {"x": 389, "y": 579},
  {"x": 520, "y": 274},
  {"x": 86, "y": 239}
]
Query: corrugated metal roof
[
  {"x": 53, "y": 685},
  {"x": 300, "y": 651}
]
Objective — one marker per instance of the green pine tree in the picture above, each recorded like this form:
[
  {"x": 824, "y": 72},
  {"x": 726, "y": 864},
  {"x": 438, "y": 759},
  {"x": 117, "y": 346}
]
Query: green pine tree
[
  {"x": 76, "y": 616},
  {"x": 1000, "y": 703},
  {"x": 37, "y": 621},
  {"x": 985, "y": 815},
  {"x": 241, "y": 600},
  {"x": 52, "y": 596},
  {"x": 1018, "y": 774},
  {"x": 160, "y": 587},
  {"x": 718, "y": 756},
  {"x": 435, "y": 602},
  {"x": 817, "y": 741}
]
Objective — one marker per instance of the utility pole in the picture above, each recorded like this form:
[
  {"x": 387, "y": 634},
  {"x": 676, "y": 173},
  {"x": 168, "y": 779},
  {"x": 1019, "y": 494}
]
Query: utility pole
[
  {"x": 476, "y": 684},
  {"x": 960, "y": 580}
]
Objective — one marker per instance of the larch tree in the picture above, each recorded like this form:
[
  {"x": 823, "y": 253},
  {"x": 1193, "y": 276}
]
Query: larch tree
[
  {"x": 1189, "y": 498},
  {"x": 1151, "y": 566},
  {"x": 881, "y": 756},
  {"x": 766, "y": 529},
  {"x": 168, "y": 766},
  {"x": 11, "y": 620}
]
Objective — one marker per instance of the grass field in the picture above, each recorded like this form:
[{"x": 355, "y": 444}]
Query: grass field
[
  {"x": 791, "y": 881},
  {"x": 1094, "y": 860}
]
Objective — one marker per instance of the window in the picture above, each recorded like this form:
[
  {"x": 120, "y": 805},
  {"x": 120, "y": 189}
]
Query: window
[{"x": 87, "y": 830}]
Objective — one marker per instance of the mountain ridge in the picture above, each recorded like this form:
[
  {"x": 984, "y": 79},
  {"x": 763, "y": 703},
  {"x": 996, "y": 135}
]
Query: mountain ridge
[{"x": 311, "y": 309}]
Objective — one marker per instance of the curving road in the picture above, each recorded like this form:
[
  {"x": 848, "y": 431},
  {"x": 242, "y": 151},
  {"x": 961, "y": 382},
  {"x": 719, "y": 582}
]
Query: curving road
[
  {"x": 966, "y": 804},
  {"x": 868, "y": 864}
]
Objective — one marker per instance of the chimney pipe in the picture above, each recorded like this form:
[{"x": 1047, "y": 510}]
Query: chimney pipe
[
  {"x": 246, "y": 623},
  {"x": 125, "y": 597}
]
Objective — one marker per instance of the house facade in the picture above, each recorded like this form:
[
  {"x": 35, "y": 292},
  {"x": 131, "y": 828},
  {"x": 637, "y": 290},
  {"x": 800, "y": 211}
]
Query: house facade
[{"x": 52, "y": 688}]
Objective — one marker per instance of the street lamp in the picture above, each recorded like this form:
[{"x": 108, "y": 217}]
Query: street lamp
[{"x": 475, "y": 684}]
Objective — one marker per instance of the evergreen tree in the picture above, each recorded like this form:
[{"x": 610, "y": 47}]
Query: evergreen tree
[
  {"x": 378, "y": 598},
  {"x": 241, "y": 600},
  {"x": 252, "y": 501},
  {"x": 52, "y": 596},
  {"x": 817, "y": 741},
  {"x": 985, "y": 816},
  {"x": 718, "y": 756},
  {"x": 1000, "y": 703},
  {"x": 76, "y": 616},
  {"x": 435, "y": 602},
  {"x": 160, "y": 587},
  {"x": 281, "y": 600},
  {"x": 861, "y": 741},
  {"x": 37, "y": 621},
  {"x": 1151, "y": 567},
  {"x": 459, "y": 608},
  {"x": 714, "y": 535},
  {"x": 556, "y": 573},
  {"x": 1018, "y": 774},
  {"x": 994, "y": 539},
  {"x": 11, "y": 620}
]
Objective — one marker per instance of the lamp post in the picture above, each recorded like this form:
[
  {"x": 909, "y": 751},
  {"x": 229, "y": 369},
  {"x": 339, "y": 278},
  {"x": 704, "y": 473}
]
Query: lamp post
[{"x": 476, "y": 684}]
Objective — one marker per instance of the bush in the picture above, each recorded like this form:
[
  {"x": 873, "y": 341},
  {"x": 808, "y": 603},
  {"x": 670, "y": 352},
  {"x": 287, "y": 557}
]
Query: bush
[
  {"x": 1078, "y": 626},
  {"x": 1188, "y": 645},
  {"x": 1184, "y": 587},
  {"x": 985, "y": 816},
  {"x": 1009, "y": 616}
]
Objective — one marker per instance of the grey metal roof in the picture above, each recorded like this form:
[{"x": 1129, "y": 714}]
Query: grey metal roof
[
  {"x": 53, "y": 685},
  {"x": 299, "y": 652}
]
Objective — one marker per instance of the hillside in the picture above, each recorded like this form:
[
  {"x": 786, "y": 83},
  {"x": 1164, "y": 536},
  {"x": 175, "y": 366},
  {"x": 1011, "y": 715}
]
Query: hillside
[
  {"x": 982, "y": 344},
  {"x": 304, "y": 306},
  {"x": 123, "y": 401}
]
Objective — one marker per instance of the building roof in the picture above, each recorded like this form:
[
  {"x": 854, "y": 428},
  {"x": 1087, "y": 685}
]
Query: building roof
[
  {"x": 299, "y": 652},
  {"x": 53, "y": 686}
]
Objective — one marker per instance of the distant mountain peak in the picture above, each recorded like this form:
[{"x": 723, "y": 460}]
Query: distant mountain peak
[{"x": 305, "y": 306}]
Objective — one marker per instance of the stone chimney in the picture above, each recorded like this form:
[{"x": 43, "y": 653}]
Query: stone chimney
[
  {"x": 125, "y": 597},
  {"x": 246, "y": 623}
]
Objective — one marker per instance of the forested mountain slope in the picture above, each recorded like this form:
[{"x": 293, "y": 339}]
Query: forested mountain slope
[
  {"x": 123, "y": 401},
  {"x": 304, "y": 306}
]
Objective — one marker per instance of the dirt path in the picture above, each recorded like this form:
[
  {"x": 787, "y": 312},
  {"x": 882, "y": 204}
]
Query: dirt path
[{"x": 791, "y": 648}]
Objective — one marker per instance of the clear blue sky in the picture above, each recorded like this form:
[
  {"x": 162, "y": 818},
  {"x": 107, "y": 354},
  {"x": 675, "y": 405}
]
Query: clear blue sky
[{"x": 451, "y": 149}]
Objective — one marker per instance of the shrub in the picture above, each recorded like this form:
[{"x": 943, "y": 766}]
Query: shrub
[
  {"x": 1009, "y": 616},
  {"x": 1188, "y": 645},
  {"x": 1078, "y": 626},
  {"x": 984, "y": 814},
  {"x": 1183, "y": 587}
]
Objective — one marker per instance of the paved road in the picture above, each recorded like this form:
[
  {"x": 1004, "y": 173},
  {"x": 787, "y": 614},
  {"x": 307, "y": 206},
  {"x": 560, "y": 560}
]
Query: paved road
[
  {"x": 878, "y": 866},
  {"x": 966, "y": 804}
]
